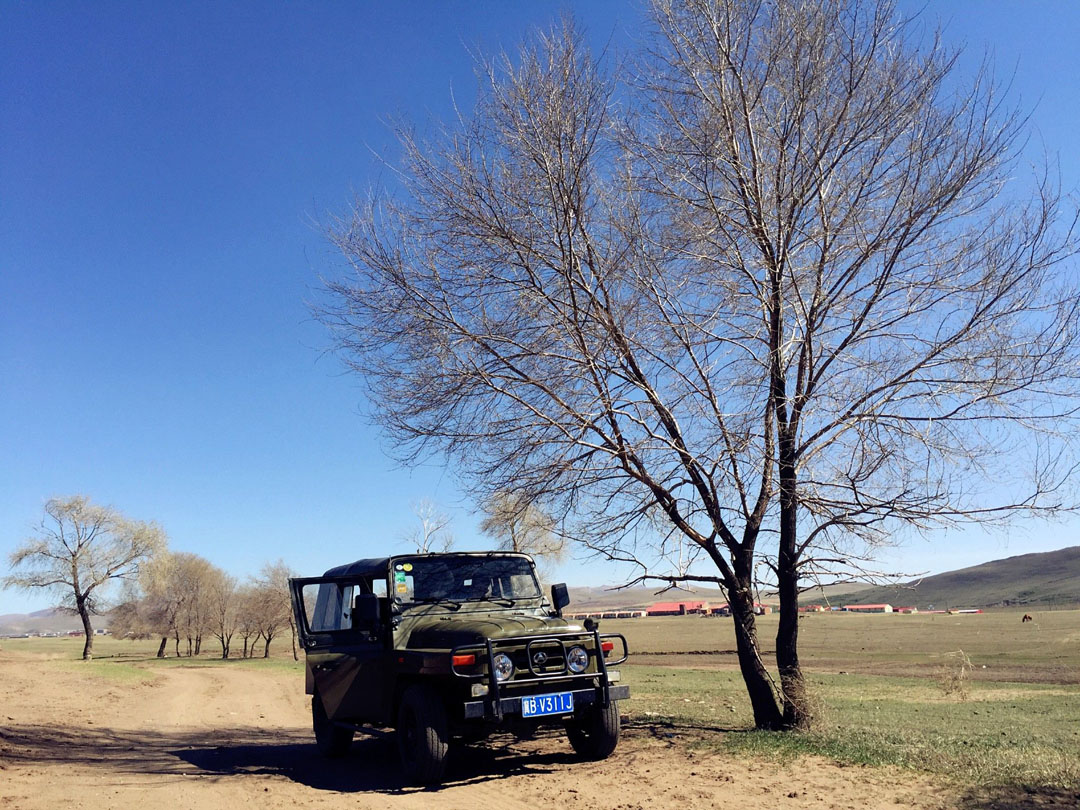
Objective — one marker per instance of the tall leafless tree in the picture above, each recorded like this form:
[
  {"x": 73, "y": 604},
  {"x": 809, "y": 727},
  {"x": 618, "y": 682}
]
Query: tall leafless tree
[
  {"x": 520, "y": 525},
  {"x": 780, "y": 294},
  {"x": 78, "y": 551},
  {"x": 274, "y": 581},
  {"x": 248, "y": 617},
  {"x": 433, "y": 533},
  {"x": 224, "y": 608}
]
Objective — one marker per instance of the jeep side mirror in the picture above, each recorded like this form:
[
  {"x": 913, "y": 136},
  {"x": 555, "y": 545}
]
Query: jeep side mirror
[
  {"x": 366, "y": 610},
  {"x": 560, "y": 597}
]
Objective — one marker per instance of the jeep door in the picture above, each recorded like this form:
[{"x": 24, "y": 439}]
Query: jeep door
[{"x": 346, "y": 657}]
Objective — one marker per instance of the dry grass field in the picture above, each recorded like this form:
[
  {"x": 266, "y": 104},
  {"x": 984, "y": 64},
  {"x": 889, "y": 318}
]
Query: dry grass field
[
  {"x": 895, "y": 728},
  {"x": 1000, "y": 646}
]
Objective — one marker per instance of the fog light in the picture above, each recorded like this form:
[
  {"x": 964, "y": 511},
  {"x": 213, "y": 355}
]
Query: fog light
[
  {"x": 614, "y": 676},
  {"x": 479, "y": 689}
]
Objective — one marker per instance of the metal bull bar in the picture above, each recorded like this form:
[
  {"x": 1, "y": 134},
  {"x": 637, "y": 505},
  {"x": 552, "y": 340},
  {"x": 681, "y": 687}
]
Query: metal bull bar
[{"x": 562, "y": 640}]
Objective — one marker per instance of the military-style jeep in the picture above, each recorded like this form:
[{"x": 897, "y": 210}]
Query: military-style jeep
[{"x": 445, "y": 647}]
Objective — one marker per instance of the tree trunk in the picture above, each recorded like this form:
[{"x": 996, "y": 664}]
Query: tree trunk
[
  {"x": 198, "y": 643},
  {"x": 266, "y": 649},
  {"x": 88, "y": 645},
  {"x": 161, "y": 648},
  {"x": 797, "y": 712},
  {"x": 177, "y": 645},
  {"x": 245, "y": 647},
  {"x": 759, "y": 685}
]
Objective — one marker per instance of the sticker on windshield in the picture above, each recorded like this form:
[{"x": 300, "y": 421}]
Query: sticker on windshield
[
  {"x": 403, "y": 585},
  {"x": 406, "y": 567}
]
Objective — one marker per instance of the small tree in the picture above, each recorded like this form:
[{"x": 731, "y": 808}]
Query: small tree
[
  {"x": 433, "y": 533},
  {"x": 267, "y": 607},
  {"x": 517, "y": 524},
  {"x": 247, "y": 617},
  {"x": 222, "y": 598},
  {"x": 274, "y": 579},
  {"x": 190, "y": 588},
  {"x": 78, "y": 551}
]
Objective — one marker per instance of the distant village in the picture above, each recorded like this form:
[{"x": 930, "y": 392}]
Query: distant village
[
  {"x": 702, "y": 608},
  {"x": 684, "y": 608}
]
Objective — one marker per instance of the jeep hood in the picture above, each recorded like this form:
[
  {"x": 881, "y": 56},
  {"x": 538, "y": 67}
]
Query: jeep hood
[{"x": 446, "y": 632}]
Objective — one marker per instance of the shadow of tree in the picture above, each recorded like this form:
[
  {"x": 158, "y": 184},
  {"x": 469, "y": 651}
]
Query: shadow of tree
[{"x": 1020, "y": 797}]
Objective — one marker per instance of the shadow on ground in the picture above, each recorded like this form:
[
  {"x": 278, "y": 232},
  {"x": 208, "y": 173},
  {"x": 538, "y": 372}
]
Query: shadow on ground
[
  {"x": 1021, "y": 797},
  {"x": 370, "y": 766}
]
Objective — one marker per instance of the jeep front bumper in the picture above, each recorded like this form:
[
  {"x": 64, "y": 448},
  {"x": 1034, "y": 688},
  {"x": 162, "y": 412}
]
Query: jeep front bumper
[{"x": 488, "y": 709}]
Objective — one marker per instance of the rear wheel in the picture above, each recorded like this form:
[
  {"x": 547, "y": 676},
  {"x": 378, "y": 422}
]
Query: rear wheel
[
  {"x": 422, "y": 735},
  {"x": 333, "y": 741},
  {"x": 594, "y": 734}
]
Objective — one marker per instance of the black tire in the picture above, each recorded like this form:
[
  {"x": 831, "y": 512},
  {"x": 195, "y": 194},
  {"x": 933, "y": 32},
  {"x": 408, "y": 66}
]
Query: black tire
[
  {"x": 594, "y": 734},
  {"x": 422, "y": 735},
  {"x": 333, "y": 741}
]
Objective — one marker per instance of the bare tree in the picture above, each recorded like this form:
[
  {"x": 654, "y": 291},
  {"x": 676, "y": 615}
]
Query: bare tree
[
  {"x": 78, "y": 551},
  {"x": 520, "y": 525},
  {"x": 224, "y": 607},
  {"x": 247, "y": 617},
  {"x": 153, "y": 601},
  {"x": 274, "y": 579},
  {"x": 190, "y": 588},
  {"x": 433, "y": 533},
  {"x": 782, "y": 296}
]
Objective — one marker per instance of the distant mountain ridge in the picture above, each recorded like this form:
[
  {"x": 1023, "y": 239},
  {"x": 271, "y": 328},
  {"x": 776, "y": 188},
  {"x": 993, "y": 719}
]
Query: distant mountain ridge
[
  {"x": 1043, "y": 578},
  {"x": 50, "y": 620}
]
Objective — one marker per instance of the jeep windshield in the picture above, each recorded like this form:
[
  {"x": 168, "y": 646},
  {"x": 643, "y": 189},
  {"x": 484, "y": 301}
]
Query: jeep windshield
[{"x": 453, "y": 579}]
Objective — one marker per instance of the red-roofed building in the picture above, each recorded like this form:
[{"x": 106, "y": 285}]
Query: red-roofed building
[{"x": 677, "y": 608}]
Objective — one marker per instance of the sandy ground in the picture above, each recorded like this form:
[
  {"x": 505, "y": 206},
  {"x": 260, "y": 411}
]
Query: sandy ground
[{"x": 211, "y": 736}]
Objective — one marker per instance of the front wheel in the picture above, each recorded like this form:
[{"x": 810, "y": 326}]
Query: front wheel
[
  {"x": 333, "y": 741},
  {"x": 595, "y": 733},
  {"x": 422, "y": 735}
]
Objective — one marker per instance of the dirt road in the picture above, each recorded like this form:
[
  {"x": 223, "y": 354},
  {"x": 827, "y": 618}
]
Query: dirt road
[{"x": 206, "y": 737}]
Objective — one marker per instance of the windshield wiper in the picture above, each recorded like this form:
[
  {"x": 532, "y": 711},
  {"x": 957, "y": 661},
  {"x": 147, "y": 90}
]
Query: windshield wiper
[
  {"x": 438, "y": 600},
  {"x": 500, "y": 600}
]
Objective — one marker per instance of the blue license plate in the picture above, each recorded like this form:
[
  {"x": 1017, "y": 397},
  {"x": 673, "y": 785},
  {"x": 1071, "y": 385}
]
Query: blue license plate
[{"x": 540, "y": 705}]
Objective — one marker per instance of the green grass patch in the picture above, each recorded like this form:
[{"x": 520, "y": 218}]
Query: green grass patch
[{"x": 1001, "y": 734}]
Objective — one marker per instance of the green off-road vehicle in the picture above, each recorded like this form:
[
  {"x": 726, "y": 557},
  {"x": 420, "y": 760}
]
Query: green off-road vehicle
[{"x": 446, "y": 647}]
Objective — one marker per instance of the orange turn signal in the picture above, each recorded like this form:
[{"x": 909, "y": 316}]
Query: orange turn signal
[
  {"x": 607, "y": 646},
  {"x": 464, "y": 660}
]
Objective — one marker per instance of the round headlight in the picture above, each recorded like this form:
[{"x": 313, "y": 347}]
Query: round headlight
[
  {"x": 577, "y": 659},
  {"x": 504, "y": 667}
]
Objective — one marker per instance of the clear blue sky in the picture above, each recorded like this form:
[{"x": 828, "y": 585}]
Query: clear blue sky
[{"x": 163, "y": 170}]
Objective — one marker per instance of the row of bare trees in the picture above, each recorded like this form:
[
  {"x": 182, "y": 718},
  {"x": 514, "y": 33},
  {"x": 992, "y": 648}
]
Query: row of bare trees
[
  {"x": 81, "y": 549},
  {"x": 185, "y": 599}
]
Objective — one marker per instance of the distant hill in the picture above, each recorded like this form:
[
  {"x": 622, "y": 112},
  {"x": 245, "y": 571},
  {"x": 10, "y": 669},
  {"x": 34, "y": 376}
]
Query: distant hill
[
  {"x": 604, "y": 597},
  {"x": 50, "y": 620},
  {"x": 1051, "y": 577}
]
